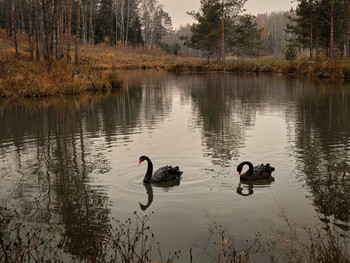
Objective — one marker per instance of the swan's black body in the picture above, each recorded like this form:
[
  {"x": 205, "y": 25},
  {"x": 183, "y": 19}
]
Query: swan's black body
[
  {"x": 163, "y": 174},
  {"x": 255, "y": 172}
]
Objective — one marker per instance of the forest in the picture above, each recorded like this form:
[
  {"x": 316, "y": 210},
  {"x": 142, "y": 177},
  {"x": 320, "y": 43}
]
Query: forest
[
  {"x": 59, "y": 26},
  {"x": 321, "y": 26},
  {"x": 55, "y": 26}
]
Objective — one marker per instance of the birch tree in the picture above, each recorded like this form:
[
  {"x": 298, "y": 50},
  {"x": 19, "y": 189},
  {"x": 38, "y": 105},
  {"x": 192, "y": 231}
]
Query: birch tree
[
  {"x": 77, "y": 37},
  {"x": 69, "y": 33},
  {"x": 14, "y": 28}
]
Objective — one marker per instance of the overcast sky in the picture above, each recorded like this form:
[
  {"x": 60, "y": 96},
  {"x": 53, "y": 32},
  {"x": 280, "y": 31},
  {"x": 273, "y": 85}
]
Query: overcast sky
[{"x": 177, "y": 8}]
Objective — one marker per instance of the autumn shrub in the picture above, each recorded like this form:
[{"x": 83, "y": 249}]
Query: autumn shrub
[
  {"x": 346, "y": 71},
  {"x": 125, "y": 241},
  {"x": 315, "y": 69},
  {"x": 320, "y": 245},
  {"x": 226, "y": 248}
]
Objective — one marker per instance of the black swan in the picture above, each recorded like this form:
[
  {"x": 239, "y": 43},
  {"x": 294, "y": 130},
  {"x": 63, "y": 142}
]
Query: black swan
[
  {"x": 255, "y": 172},
  {"x": 163, "y": 174}
]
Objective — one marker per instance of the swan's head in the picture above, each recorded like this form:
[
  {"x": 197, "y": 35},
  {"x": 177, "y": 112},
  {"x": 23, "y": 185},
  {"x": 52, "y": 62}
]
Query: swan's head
[
  {"x": 142, "y": 158},
  {"x": 239, "y": 169}
]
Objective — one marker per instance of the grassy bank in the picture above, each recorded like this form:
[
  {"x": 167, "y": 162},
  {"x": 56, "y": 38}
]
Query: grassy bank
[
  {"x": 97, "y": 68},
  {"x": 25, "y": 78},
  {"x": 300, "y": 67}
]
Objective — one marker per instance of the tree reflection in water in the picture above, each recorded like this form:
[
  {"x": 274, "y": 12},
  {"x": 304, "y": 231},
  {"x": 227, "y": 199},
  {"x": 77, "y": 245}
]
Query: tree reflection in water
[
  {"x": 322, "y": 144},
  {"x": 53, "y": 150},
  {"x": 54, "y": 190}
]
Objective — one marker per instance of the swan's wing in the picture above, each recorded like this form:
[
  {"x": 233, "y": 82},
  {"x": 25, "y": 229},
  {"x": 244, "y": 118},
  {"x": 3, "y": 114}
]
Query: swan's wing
[{"x": 166, "y": 173}]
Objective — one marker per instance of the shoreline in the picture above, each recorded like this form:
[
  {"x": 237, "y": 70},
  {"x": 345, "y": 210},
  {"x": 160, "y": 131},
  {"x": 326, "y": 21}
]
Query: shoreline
[{"x": 98, "y": 66}]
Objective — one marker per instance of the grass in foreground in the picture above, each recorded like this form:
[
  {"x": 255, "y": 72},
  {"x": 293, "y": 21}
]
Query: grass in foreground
[{"x": 133, "y": 241}]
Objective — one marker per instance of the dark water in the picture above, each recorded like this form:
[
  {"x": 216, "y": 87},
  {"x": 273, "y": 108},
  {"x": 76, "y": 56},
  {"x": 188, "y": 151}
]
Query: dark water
[{"x": 70, "y": 165}]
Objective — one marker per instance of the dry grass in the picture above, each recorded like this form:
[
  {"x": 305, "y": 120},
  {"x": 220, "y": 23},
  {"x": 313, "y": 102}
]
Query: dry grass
[
  {"x": 24, "y": 77},
  {"x": 127, "y": 241},
  {"x": 320, "y": 245}
]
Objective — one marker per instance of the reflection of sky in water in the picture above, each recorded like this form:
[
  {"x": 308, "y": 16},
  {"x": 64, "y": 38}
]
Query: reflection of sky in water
[{"x": 85, "y": 152}]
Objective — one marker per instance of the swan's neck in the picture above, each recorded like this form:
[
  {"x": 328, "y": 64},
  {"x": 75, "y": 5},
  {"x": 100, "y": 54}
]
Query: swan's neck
[
  {"x": 251, "y": 168},
  {"x": 149, "y": 172}
]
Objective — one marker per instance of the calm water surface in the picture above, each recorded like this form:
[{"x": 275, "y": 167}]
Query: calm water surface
[{"x": 71, "y": 164}]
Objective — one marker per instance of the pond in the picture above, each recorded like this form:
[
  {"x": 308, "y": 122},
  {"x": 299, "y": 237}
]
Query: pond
[{"x": 70, "y": 165}]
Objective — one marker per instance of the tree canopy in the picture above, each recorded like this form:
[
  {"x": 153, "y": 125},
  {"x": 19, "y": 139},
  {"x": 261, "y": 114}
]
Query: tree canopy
[{"x": 322, "y": 25}]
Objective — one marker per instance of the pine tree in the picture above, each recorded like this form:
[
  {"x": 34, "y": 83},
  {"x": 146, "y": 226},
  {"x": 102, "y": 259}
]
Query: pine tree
[
  {"x": 135, "y": 34},
  {"x": 246, "y": 37},
  {"x": 291, "y": 52},
  {"x": 323, "y": 24},
  {"x": 206, "y": 34},
  {"x": 104, "y": 22}
]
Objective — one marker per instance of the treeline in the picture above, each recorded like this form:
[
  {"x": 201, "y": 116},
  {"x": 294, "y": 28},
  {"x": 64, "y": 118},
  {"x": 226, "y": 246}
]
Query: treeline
[
  {"x": 321, "y": 26},
  {"x": 316, "y": 26},
  {"x": 52, "y": 27}
]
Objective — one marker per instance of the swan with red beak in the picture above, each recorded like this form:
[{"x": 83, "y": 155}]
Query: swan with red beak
[{"x": 163, "y": 174}]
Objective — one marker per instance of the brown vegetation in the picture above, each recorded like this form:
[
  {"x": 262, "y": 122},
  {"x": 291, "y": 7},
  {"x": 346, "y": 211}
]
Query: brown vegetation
[
  {"x": 128, "y": 241},
  {"x": 24, "y": 77},
  {"x": 312, "y": 244}
]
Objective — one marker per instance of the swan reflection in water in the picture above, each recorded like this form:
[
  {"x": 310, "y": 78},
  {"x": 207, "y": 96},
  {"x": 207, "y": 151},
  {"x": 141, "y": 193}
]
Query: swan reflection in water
[
  {"x": 149, "y": 190},
  {"x": 260, "y": 183}
]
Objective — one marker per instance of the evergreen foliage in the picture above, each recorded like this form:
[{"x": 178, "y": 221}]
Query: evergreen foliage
[
  {"x": 104, "y": 22},
  {"x": 321, "y": 25},
  {"x": 219, "y": 24},
  {"x": 206, "y": 33},
  {"x": 291, "y": 52},
  {"x": 246, "y": 37}
]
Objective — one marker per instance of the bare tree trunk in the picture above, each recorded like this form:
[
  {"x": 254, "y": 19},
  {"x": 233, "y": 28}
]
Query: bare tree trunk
[
  {"x": 69, "y": 33},
  {"x": 91, "y": 28},
  {"x": 77, "y": 37},
  {"x": 21, "y": 16},
  {"x": 348, "y": 34},
  {"x": 14, "y": 30},
  {"x": 53, "y": 30},
  {"x": 317, "y": 40},
  {"x": 47, "y": 48},
  {"x": 116, "y": 21},
  {"x": 83, "y": 22},
  {"x": 127, "y": 23},
  {"x": 331, "y": 46},
  {"x": 223, "y": 35},
  {"x": 311, "y": 31},
  {"x": 122, "y": 20},
  {"x": 35, "y": 8},
  {"x": 61, "y": 30},
  {"x": 31, "y": 33}
]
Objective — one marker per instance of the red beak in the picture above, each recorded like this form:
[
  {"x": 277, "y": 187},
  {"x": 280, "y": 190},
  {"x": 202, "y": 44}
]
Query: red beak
[
  {"x": 239, "y": 173},
  {"x": 140, "y": 162}
]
